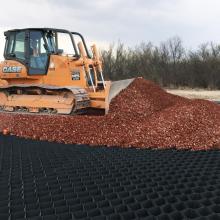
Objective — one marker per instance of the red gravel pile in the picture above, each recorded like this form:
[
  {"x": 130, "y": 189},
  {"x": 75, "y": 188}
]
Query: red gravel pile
[
  {"x": 143, "y": 98},
  {"x": 143, "y": 115}
]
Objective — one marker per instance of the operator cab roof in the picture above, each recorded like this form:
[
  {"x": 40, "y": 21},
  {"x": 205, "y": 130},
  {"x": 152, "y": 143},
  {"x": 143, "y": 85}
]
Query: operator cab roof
[
  {"x": 41, "y": 29},
  {"x": 54, "y": 30}
]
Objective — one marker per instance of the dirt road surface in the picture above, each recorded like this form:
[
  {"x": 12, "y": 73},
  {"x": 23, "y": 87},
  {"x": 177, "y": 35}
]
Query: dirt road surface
[{"x": 213, "y": 95}]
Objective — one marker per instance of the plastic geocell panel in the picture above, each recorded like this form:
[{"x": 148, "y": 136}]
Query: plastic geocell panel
[{"x": 41, "y": 180}]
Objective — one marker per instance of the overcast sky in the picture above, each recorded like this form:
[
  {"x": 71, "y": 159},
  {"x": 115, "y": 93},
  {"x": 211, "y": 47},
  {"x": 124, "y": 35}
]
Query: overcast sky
[{"x": 130, "y": 21}]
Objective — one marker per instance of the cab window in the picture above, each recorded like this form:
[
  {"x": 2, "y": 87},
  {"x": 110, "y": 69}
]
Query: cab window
[
  {"x": 37, "y": 53},
  {"x": 64, "y": 44},
  {"x": 16, "y": 45}
]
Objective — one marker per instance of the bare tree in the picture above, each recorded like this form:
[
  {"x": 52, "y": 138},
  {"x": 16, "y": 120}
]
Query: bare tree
[{"x": 168, "y": 64}]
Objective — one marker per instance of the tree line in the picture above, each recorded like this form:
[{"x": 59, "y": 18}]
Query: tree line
[{"x": 168, "y": 64}]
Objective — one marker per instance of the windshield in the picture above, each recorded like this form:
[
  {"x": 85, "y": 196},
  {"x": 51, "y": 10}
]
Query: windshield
[
  {"x": 77, "y": 38},
  {"x": 64, "y": 43}
]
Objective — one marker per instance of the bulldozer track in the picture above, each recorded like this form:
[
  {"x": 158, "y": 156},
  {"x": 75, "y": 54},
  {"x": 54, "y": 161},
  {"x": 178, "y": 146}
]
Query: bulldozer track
[{"x": 80, "y": 99}]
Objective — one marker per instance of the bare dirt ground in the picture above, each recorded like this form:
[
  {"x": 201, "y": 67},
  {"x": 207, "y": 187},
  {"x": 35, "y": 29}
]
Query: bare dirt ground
[{"x": 213, "y": 95}]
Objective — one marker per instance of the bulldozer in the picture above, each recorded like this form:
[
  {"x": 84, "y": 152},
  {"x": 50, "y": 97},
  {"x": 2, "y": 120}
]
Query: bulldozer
[{"x": 52, "y": 71}]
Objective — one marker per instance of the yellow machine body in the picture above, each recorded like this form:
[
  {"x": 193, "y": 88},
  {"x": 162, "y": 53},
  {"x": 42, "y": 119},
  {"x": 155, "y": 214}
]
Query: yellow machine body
[{"x": 65, "y": 85}]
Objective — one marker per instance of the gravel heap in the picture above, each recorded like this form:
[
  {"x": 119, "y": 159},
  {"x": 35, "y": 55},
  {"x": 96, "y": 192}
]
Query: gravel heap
[{"x": 142, "y": 116}]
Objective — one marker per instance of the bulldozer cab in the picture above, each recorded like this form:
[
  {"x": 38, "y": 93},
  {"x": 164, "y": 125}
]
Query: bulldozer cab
[{"x": 33, "y": 47}]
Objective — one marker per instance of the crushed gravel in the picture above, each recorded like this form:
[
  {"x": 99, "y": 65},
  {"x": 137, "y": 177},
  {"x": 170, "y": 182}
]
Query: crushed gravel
[{"x": 142, "y": 116}]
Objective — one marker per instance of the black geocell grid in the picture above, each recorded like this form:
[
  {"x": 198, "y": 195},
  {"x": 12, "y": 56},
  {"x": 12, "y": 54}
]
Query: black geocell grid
[{"x": 40, "y": 180}]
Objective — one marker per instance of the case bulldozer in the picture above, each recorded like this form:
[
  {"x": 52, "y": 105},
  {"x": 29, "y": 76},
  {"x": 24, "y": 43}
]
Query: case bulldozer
[{"x": 49, "y": 70}]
